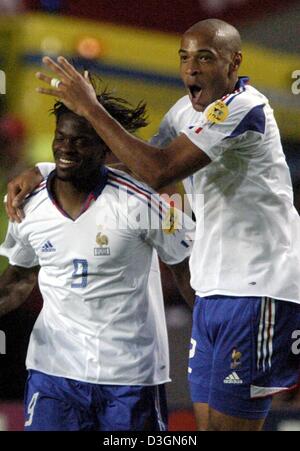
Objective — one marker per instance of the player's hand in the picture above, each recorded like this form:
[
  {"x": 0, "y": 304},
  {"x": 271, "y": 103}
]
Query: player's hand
[
  {"x": 17, "y": 189},
  {"x": 73, "y": 89}
]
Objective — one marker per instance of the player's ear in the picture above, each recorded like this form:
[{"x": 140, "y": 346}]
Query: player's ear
[{"x": 236, "y": 61}]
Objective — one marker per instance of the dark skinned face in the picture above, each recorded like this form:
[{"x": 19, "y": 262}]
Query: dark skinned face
[
  {"x": 78, "y": 151},
  {"x": 207, "y": 69}
]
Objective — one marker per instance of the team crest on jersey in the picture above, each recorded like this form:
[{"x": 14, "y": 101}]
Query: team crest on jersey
[
  {"x": 235, "y": 359},
  {"x": 218, "y": 112},
  {"x": 102, "y": 241},
  {"x": 170, "y": 222}
]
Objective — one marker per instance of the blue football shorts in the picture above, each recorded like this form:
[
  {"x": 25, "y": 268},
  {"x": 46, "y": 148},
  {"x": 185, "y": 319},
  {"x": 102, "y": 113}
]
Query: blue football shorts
[
  {"x": 243, "y": 351},
  {"x": 58, "y": 404}
]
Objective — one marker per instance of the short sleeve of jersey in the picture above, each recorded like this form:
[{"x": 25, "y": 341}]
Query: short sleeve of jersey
[
  {"x": 45, "y": 168},
  {"x": 165, "y": 133},
  {"x": 172, "y": 236},
  {"x": 148, "y": 217},
  {"x": 16, "y": 250},
  {"x": 238, "y": 121}
]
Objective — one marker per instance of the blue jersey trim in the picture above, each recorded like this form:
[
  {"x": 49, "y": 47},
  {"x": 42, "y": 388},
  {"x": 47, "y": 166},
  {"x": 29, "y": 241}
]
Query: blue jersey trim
[
  {"x": 238, "y": 89},
  {"x": 184, "y": 243},
  {"x": 137, "y": 195},
  {"x": 242, "y": 81},
  {"x": 115, "y": 174},
  {"x": 254, "y": 120},
  {"x": 40, "y": 188}
]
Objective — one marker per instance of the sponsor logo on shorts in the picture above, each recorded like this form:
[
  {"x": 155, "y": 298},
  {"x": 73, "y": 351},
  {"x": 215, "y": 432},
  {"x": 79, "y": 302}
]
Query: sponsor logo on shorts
[{"x": 233, "y": 378}]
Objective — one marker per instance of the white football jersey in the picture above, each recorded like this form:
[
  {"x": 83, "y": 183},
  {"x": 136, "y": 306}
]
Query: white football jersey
[
  {"x": 99, "y": 322},
  {"x": 248, "y": 233}
]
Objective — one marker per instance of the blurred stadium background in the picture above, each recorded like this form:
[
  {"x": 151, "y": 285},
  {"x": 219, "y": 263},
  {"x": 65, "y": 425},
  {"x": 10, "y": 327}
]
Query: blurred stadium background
[{"x": 133, "y": 46}]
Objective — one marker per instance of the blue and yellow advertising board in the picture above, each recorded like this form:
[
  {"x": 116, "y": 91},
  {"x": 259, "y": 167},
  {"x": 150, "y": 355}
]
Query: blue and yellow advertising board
[{"x": 136, "y": 63}]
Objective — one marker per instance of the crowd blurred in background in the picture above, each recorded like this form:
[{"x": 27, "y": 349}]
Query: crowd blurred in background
[{"x": 134, "y": 49}]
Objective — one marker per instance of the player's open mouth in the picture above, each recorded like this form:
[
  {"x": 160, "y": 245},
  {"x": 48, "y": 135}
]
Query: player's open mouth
[{"x": 195, "y": 91}]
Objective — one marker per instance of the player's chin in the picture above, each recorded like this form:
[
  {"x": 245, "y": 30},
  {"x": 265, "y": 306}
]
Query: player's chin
[
  {"x": 198, "y": 105},
  {"x": 65, "y": 174}
]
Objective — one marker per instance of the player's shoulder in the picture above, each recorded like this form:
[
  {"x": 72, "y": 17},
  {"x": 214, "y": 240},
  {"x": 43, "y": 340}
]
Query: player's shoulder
[
  {"x": 244, "y": 98},
  {"x": 181, "y": 106},
  {"x": 34, "y": 200},
  {"x": 245, "y": 106},
  {"x": 182, "y": 114},
  {"x": 142, "y": 194},
  {"x": 123, "y": 180}
]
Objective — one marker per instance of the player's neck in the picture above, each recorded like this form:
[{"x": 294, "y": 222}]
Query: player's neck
[
  {"x": 71, "y": 195},
  {"x": 233, "y": 84}
]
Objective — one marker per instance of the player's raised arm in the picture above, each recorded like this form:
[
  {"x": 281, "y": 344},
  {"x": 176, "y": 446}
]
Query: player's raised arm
[
  {"x": 16, "y": 284},
  {"x": 158, "y": 167}
]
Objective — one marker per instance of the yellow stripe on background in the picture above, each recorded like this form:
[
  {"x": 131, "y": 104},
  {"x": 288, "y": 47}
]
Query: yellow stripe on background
[
  {"x": 125, "y": 46},
  {"x": 269, "y": 68},
  {"x": 148, "y": 50},
  {"x": 129, "y": 48}
]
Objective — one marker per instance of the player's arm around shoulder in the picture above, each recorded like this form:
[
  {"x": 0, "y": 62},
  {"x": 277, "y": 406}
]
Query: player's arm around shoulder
[
  {"x": 17, "y": 190},
  {"x": 22, "y": 186}
]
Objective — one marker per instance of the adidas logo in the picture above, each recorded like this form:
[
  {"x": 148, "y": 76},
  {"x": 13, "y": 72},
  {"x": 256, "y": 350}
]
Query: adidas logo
[
  {"x": 48, "y": 247},
  {"x": 233, "y": 378}
]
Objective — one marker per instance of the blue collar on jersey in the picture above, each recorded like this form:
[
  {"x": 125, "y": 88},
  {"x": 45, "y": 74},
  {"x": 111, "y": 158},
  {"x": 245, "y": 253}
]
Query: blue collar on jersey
[
  {"x": 92, "y": 196},
  {"x": 238, "y": 89},
  {"x": 242, "y": 81}
]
